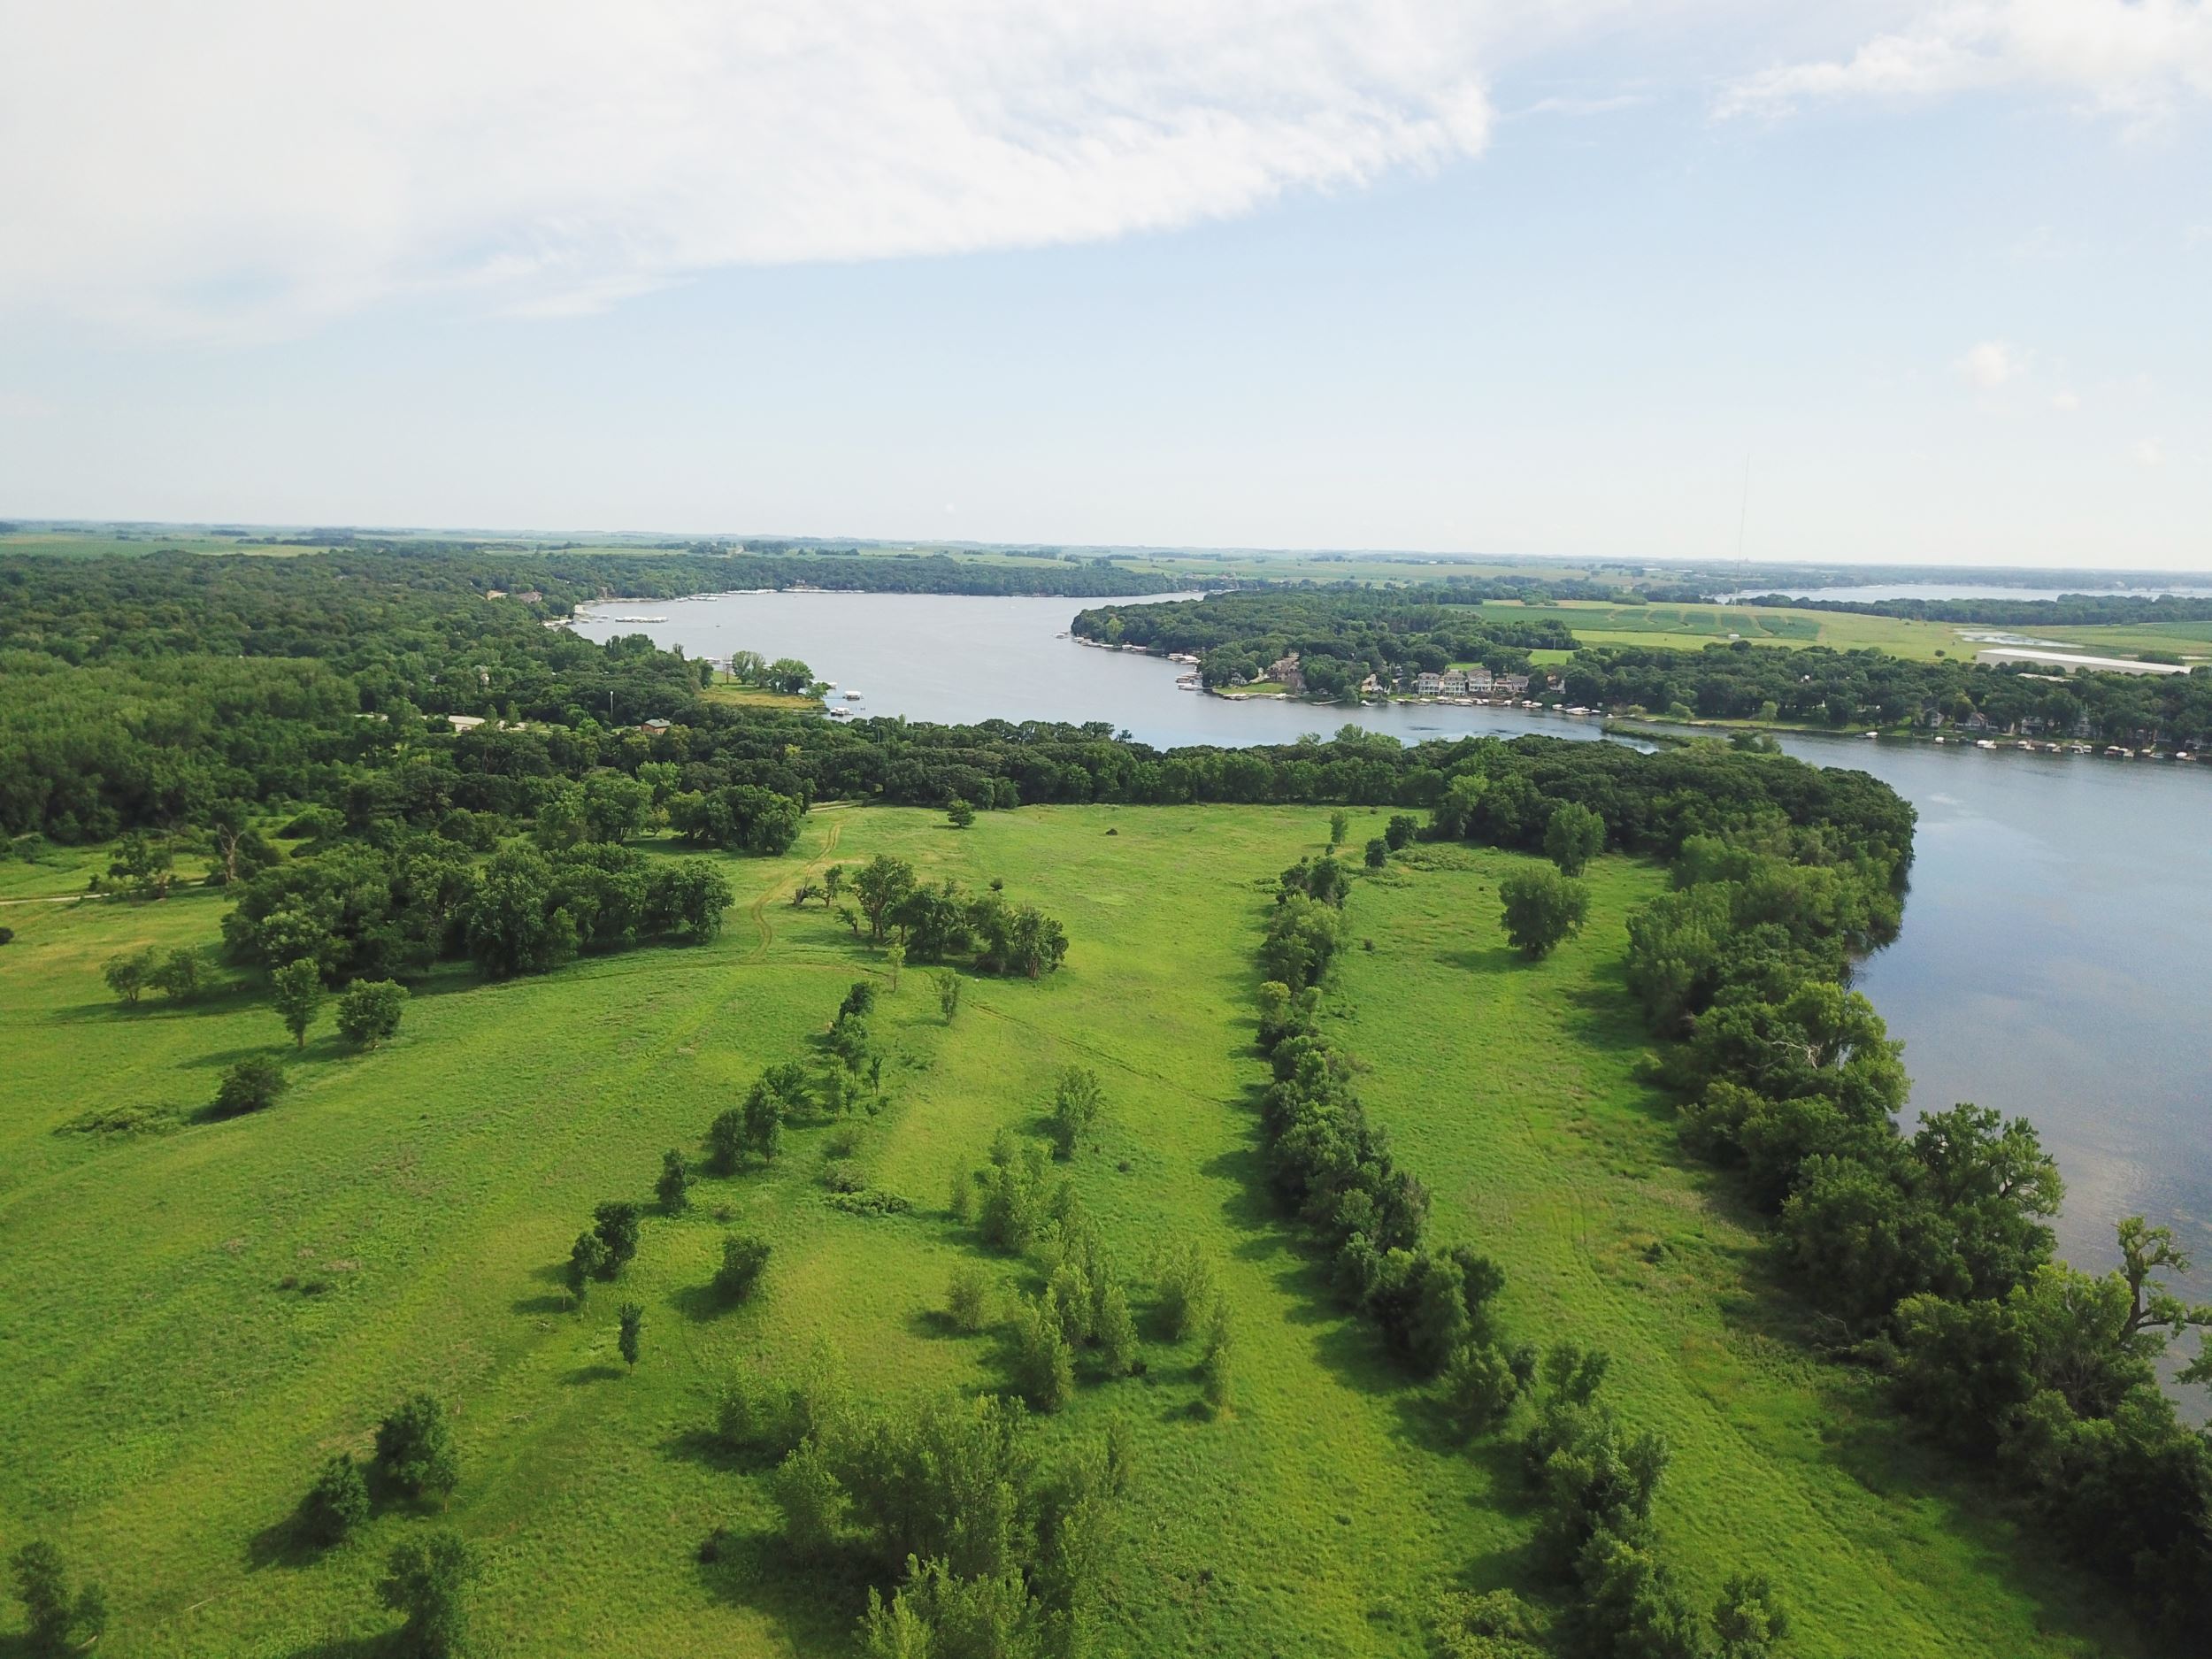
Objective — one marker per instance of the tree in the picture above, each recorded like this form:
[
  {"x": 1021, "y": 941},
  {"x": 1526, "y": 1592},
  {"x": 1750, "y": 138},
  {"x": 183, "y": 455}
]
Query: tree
[
  {"x": 1748, "y": 1618},
  {"x": 743, "y": 1258},
  {"x": 1574, "y": 836},
  {"x": 1399, "y": 832},
  {"x": 616, "y": 1222},
  {"x": 1044, "y": 1365},
  {"x": 336, "y": 1504},
  {"x": 948, "y": 986},
  {"x": 881, "y": 883},
  {"x": 1116, "y": 1330},
  {"x": 54, "y": 1621},
  {"x": 1542, "y": 908},
  {"x": 296, "y": 994},
  {"x": 894, "y": 961},
  {"x": 1339, "y": 826},
  {"x": 586, "y": 1260},
  {"x": 673, "y": 1189},
  {"x": 414, "y": 1449},
  {"x": 1077, "y": 1103},
  {"x": 145, "y": 864},
  {"x": 128, "y": 975},
  {"x": 368, "y": 1012},
  {"x": 632, "y": 1326},
  {"x": 958, "y": 813},
  {"x": 1184, "y": 1288},
  {"x": 1216, "y": 1367},
  {"x": 1378, "y": 853},
  {"x": 425, "y": 1580},
  {"x": 254, "y": 1084},
  {"x": 181, "y": 976}
]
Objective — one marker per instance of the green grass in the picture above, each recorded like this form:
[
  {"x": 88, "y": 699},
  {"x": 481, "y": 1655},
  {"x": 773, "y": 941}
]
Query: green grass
[
  {"x": 171, "y": 1396},
  {"x": 2192, "y": 641},
  {"x": 1688, "y": 627}
]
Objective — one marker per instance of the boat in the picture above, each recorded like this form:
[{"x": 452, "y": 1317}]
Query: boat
[
  {"x": 852, "y": 696},
  {"x": 1869, "y": 736},
  {"x": 841, "y": 714},
  {"x": 1984, "y": 742},
  {"x": 2025, "y": 747}
]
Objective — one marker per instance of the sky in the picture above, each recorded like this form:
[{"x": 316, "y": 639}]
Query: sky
[{"x": 1874, "y": 280}]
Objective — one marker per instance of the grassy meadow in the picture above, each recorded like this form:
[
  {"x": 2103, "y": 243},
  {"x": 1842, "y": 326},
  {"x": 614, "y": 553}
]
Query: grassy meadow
[{"x": 202, "y": 1312}]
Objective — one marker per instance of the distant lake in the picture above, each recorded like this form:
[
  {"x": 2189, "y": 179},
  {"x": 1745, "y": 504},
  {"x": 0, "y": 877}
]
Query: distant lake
[{"x": 2057, "y": 945}]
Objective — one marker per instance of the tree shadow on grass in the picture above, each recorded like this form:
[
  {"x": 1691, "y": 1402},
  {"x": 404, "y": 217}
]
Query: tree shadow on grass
[
  {"x": 817, "y": 1605},
  {"x": 600, "y": 1373},
  {"x": 231, "y": 1056},
  {"x": 382, "y": 1646},
  {"x": 702, "y": 1305},
  {"x": 554, "y": 1299},
  {"x": 282, "y": 1543}
]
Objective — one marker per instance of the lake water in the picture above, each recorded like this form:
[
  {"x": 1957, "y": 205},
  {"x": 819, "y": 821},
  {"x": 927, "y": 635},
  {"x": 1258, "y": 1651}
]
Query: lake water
[{"x": 2054, "y": 961}]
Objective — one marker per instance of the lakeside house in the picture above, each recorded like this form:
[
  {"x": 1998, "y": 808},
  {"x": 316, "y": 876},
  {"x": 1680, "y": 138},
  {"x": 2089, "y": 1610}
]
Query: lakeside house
[{"x": 1285, "y": 672}]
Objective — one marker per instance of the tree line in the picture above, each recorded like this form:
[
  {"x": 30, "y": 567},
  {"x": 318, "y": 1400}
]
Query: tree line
[{"x": 1590, "y": 1480}]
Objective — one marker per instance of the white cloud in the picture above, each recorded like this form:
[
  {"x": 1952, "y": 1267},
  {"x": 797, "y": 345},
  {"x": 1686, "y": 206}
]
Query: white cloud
[
  {"x": 261, "y": 162},
  {"x": 2139, "y": 58},
  {"x": 2065, "y": 401},
  {"x": 1991, "y": 364},
  {"x": 2150, "y": 452}
]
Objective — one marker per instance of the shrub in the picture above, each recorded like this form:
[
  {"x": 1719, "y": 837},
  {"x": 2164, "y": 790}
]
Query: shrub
[
  {"x": 968, "y": 1298},
  {"x": 743, "y": 1258},
  {"x": 127, "y": 975},
  {"x": 1378, "y": 853},
  {"x": 1216, "y": 1368},
  {"x": 1184, "y": 1286},
  {"x": 336, "y": 1504},
  {"x": 948, "y": 987},
  {"x": 632, "y": 1327},
  {"x": 370, "y": 1010},
  {"x": 673, "y": 1189},
  {"x": 182, "y": 976},
  {"x": 1077, "y": 1103},
  {"x": 843, "y": 1175},
  {"x": 1400, "y": 831},
  {"x": 958, "y": 813},
  {"x": 414, "y": 1449},
  {"x": 253, "y": 1084}
]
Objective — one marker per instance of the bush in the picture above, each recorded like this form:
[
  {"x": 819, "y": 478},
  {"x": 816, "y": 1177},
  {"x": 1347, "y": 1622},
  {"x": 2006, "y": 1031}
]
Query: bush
[
  {"x": 673, "y": 1189},
  {"x": 743, "y": 1258},
  {"x": 181, "y": 976},
  {"x": 1077, "y": 1103},
  {"x": 414, "y": 1449},
  {"x": 586, "y": 1260},
  {"x": 128, "y": 975},
  {"x": 336, "y": 1504},
  {"x": 369, "y": 1012},
  {"x": 1184, "y": 1287},
  {"x": 1044, "y": 1365},
  {"x": 1216, "y": 1368},
  {"x": 968, "y": 1298},
  {"x": 253, "y": 1084},
  {"x": 1542, "y": 908},
  {"x": 1378, "y": 853}
]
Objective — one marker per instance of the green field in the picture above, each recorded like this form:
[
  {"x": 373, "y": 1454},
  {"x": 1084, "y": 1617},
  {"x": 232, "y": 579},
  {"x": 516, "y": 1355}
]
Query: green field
[
  {"x": 1690, "y": 627},
  {"x": 202, "y": 1313}
]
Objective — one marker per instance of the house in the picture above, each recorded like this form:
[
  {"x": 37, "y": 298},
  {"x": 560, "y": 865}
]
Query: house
[
  {"x": 464, "y": 722},
  {"x": 1510, "y": 685},
  {"x": 1452, "y": 683},
  {"x": 1425, "y": 685},
  {"x": 528, "y": 596},
  {"x": 1370, "y": 686},
  {"x": 1478, "y": 681},
  {"x": 1285, "y": 672},
  {"x": 654, "y": 727},
  {"x": 1978, "y": 721}
]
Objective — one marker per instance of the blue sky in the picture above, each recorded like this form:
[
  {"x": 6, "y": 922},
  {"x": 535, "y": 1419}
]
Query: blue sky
[{"x": 1942, "y": 276}]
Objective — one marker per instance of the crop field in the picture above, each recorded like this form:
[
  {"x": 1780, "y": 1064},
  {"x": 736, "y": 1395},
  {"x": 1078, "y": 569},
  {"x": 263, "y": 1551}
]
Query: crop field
[
  {"x": 1688, "y": 627},
  {"x": 202, "y": 1312},
  {"x": 2192, "y": 641}
]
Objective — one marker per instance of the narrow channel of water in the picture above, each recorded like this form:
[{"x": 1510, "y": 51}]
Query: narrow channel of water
[{"x": 2057, "y": 946}]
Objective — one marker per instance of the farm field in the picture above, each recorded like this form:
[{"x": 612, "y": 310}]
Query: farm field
[
  {"x": 2192, "y": 641},
  {"x": 1690, "y": 627},
  {"x": 203, "y": 1314}
]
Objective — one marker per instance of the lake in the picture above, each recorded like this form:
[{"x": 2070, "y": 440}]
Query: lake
[{"x": 2053, "y": 957}]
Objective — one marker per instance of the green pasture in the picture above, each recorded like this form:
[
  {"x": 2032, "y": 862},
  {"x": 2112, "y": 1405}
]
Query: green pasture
[
  {"x": 202, "y": 1312},
  {"x": 1690, "y": 627}
]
